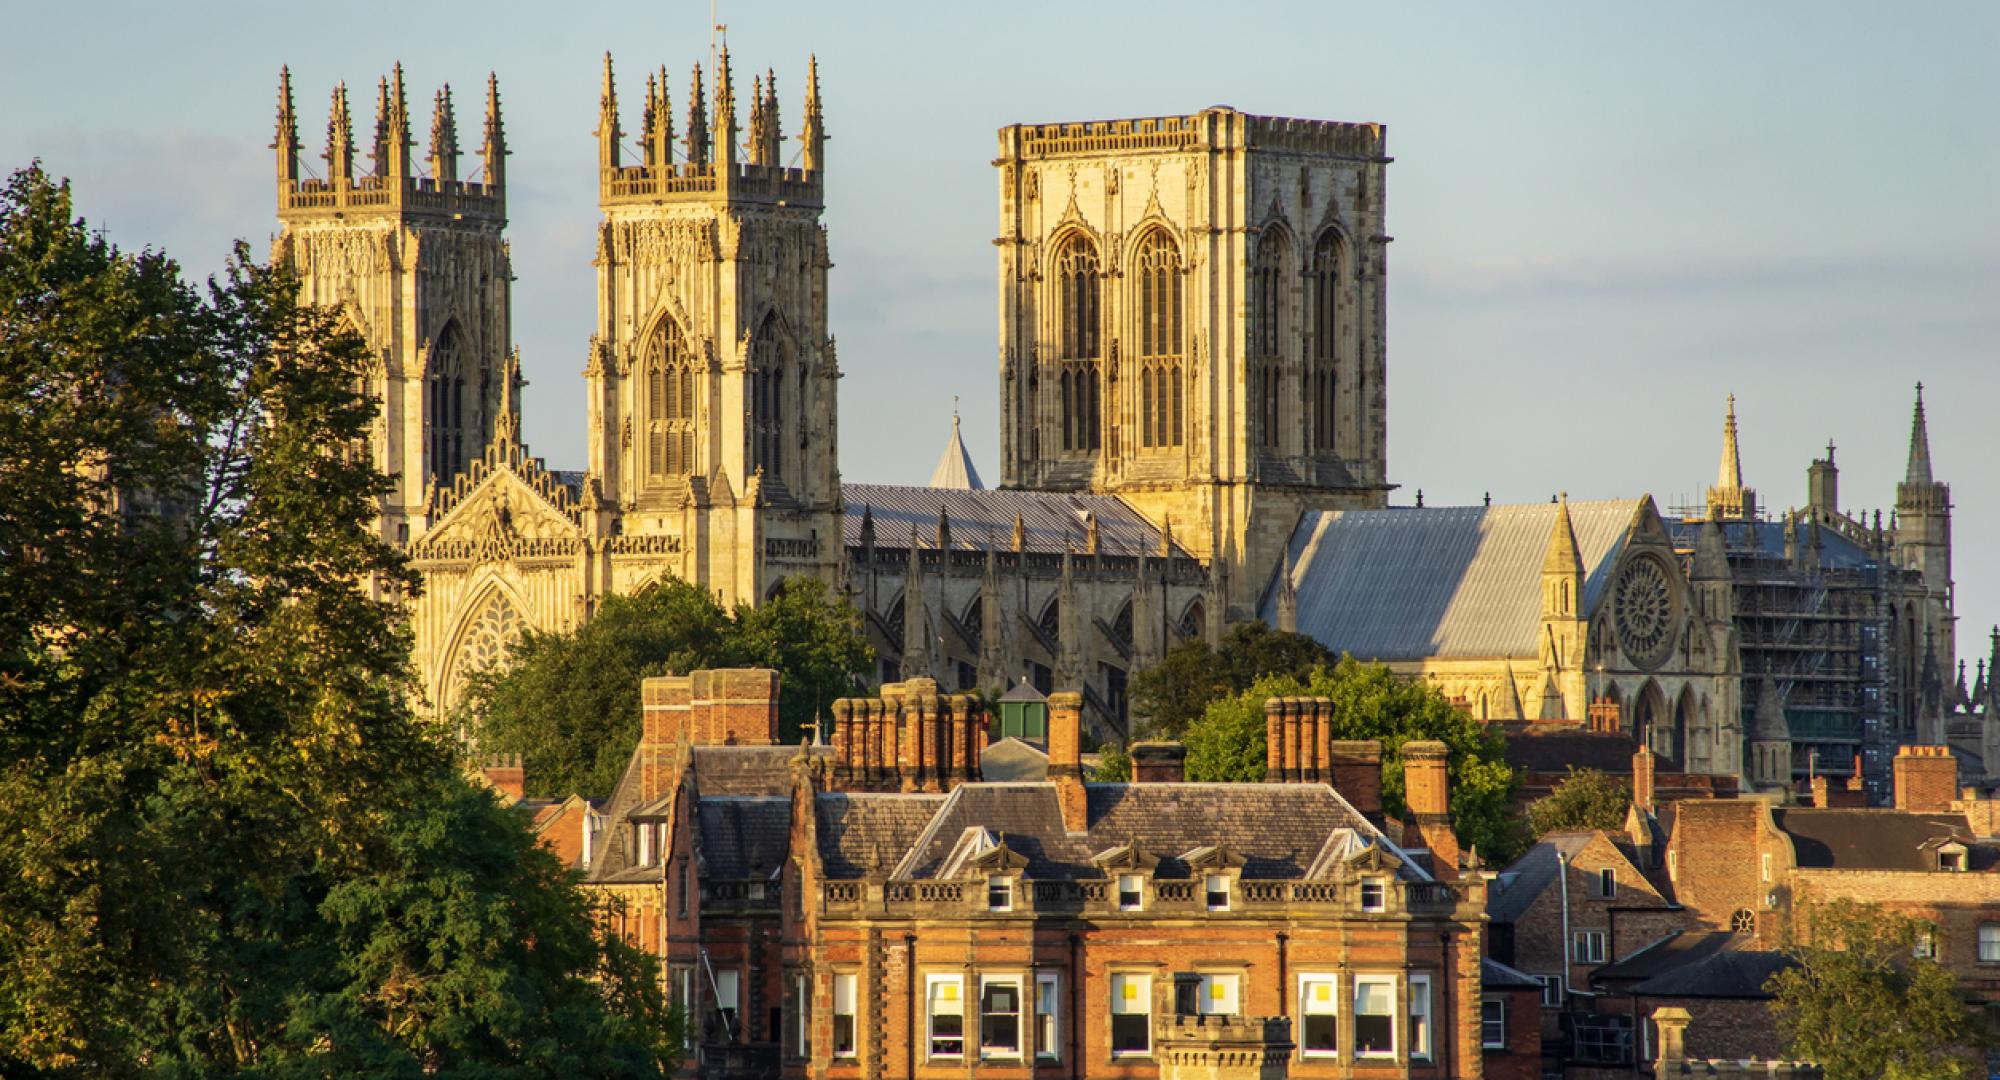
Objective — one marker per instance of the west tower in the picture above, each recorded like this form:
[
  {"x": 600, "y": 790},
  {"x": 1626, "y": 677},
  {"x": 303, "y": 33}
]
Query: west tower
[
  {"x": 1192, "y": 314},
  {"x": 711, "y": 375},
  {"x": 414, "y": 253}
]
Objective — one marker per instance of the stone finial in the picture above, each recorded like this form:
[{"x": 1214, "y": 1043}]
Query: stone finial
[
  {"x": 286, "y": 142},
  {"x": 1918, "y": 471},
  {"x": 444, "y": 138},
  {"x": 814, "y": 135},
  {"x": 339, "y": 139},
  {"x": 724, "y": 131},
  {"x": 697, "y": 139},
  {"x": 607, "y": 132},
  {"x": 496, "y": 135}
]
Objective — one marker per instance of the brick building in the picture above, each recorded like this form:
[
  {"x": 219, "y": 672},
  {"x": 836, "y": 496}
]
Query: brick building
[{"x": 872, "y": 908}]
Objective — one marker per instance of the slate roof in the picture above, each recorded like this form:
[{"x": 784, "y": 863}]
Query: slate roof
[
  {"x": 1837, "y": 552},
  {"x": 855, "y": 829},
  {"x": 1410, "y": 583},
  {"x": 743, "y": 837},
  {"x": 1672, "y": 952},
  {"x": 1556, "y": 752},
  {"x": 1494, "y": 975},
  {"x": 1278, "y": 829},
  {"x": 1727, "y": 973},
  {"x": 748, "y": 770},
  {"x": 1051, "y": 519},
  {"x": 1858, "y": 839},
  {"x": 1527, "y": 877}
]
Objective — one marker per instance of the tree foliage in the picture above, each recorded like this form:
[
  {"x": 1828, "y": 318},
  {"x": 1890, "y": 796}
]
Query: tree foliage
[
  {"x": 1585, "y": 799},
  {"x": 225, "y": 843},
  {"x": 568, "y": 702},
  {"x": 1369, "y": 702},
  {"x": 1863, "y": 1005},
  {"x": 1175, "y": 693}
]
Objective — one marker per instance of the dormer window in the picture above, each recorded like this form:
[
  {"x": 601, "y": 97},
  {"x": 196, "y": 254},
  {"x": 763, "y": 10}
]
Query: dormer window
[
  {"x": 999, "y": 894},
  {"x": 1216, "y": 886},
  {"x": 1374, "y": 895},
  {"x": 1131, "y": 892},
  {"x": 645, "y": 831},
  {"x": 1951, "y": 858}
]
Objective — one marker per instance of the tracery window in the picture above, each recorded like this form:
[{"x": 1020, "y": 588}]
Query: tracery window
[
  {"x": 1079, "y": 290},
  {"x": 767, "y": 395},
  {"x": 1267, "y": 311},
  {"x": 1162, "y": 394},
  {"x": 445, "y": 422},
  {"x": 670, "y": 404},
  {"x": 1322, "y": 380}
]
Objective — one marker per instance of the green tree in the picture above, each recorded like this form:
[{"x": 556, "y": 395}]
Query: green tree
[
  {"x": 1369, "y": 702},
  {"x": 225, "y": 843},
  {"x": 1585, "y": 799},
  {"x": 1861, "y": 1003},
  {"x": 1174, "y": 693},
  {"x": 568, "y": 702},
  {"x": 1114, "y": 766}
]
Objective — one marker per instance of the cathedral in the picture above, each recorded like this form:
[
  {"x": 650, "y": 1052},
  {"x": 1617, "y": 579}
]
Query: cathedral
[{"x": 1192, "y": 394}]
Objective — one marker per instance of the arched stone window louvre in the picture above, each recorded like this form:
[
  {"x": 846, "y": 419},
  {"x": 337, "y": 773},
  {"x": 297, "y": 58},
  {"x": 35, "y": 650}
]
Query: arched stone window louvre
[
  {"x": 1079, "y": 287},
  {"x": 1323, "y": 366},
  {"x": 670, "y": 404},
  {"x": 1162, "y": 376},
  {"x": 445, "y": 418},
  {"x": 1267, "y": 322},
  {"x": 769, "y": 355},
  {"x": 489, "y": 635}
]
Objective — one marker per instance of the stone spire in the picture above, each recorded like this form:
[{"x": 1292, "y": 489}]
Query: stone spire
[
  {"x": 814, "y": 136},
  {"x": 286, "y": 142},
  {"x": 496, "y": 136},
  {"x": 1919, "y": 468},
  {"x": 697, "y": 141},
  {"x": 444, "y": 138},
  {"x": 1288, "y": 596},
  {"x": 724, "y": 133},
  {"x": 659, "y": 134},
  {"x": 1020, "y": 533},
  {"x": 395, "y": 133},
  {"x": 955, "y": 468},
  {"x": 1563, "y": 556},
  {"x": 916, "y": 616},
  {"x": 378, "y": 152},
  {"x": 607, "y": 120},
  {"x": 339, "y": 139},
  {"x": 1930, "y": 718},
  {"x": 1729, "y": 499}
]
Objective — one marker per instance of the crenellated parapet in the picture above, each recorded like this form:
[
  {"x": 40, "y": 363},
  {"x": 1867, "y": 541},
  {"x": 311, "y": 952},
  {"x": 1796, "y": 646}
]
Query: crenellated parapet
[{"x": 911, "y": 738}]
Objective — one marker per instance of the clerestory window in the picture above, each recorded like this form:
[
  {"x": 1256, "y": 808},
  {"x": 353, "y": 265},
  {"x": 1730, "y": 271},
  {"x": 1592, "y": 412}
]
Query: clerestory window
[{"x": 1162, "y": 374}]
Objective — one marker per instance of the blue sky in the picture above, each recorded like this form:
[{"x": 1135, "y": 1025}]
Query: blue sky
[{"x": 1607, "y": 216}]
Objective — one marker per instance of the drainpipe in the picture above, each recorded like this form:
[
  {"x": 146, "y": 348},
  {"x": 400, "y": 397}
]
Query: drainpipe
[
  {"x": 1075, "y": 1006},
  {"x": 1562, "y": 886},
  {"x": 910, "y": 1009},
  {"x": 1284, "y": 996}
]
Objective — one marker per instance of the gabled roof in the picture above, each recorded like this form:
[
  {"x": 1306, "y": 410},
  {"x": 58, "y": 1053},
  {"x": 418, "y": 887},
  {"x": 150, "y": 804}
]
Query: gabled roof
[
  {"x": 1494, "y": 975},
  {"x": 1860, "y": 839},
  {"x": 748, "y": 770},
  {"x": 1409, "y": 583},
  {"x": 860, "y": 831},
  {"x": 1527, "y": 877},
  {"x": 1051, "y": 520},
  {"x": 1699, "y": 965}
]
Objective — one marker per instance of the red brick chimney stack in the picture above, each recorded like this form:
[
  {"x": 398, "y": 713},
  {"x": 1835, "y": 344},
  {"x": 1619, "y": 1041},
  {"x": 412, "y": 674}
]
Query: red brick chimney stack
[
  {"x": 1066, "y": 758},
  {"x": 1426, "y": 795},
  {"x": 1158, "y": 762},
  {"x": 1926, "y": 779},
  {"x": 1357, "y": 775},
  {"x": 1642, "y": 778}
]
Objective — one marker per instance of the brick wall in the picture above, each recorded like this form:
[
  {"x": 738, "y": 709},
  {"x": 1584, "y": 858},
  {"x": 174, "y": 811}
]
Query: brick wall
[
  {"x": 722, "y": 707},
  {"x": 910, "y": 738},
  {"x": 1926, "y": 779},
  {"x": 1716, "y": 858},
  {"x": 1521, "y": 1058}
]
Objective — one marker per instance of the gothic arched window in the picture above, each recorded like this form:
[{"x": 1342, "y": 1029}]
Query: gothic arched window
[
  {"x": 1267, "y": 319},
  {"x": 670, "y": 404},
  {"x": 1079, "y": 288},
  {"x": 445, "y": 420},
  {"x": 1161, "y": 361},
  {"x": 767, "y": 395},
  {"x": 1322, "y": 380}
]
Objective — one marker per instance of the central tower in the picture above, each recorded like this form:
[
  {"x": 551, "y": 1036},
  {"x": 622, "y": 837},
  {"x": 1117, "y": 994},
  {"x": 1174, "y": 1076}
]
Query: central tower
[
  {"x": 1192, "y": 314},
  {"x": 711, "y": 375}
]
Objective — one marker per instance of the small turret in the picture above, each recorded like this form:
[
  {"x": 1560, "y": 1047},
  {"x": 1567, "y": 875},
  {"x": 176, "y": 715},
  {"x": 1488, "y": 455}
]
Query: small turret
[
  {"x": 444, "y": 138},
  {"x": 1288, "y": 596},
  {"x": 1770, "y": 739},
  {"x": 1930, "y": 684},
  {"x": 697, "y": 141},
  {"x": 496, "y": 136},
  {"x": 378, "y": 148},
  {"x": 340, "y": 140},
  {"x": 814, "y": 135},
  {"x": 724, "y": 131},
  {"x": 758, "y": 121},
  {"x": 659, "y": 133},
  {"x": 1729, "y": 500},
  {"x": 607, "y": 132},
  {"x": 1823, "y": 483},
  {"x": 1918, "y": 470},
  {"x": 399, "y": 127},
  {"x": 286, "y": 142}
]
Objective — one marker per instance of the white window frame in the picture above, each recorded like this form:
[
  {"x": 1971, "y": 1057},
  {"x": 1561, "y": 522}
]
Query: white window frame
[
  {"x": 1361, "y": 982},
  {"x": 1138, "y": 891},
  {"x": 1422, "y": 1035},
  {"x": 1312, "y": 1005},
  {"x": 846, "y": 984},
  {"x": 1499, "y": 1005},
  {"x": 686, "y": 1001},
  {"x": 1381, "y": 887},
  {"x": 729, "y": 999},
  {"x": 1989, "y": 950},
  {"x": 932, "y": 984},
  {"x": 1231, "y": 985},
  {"x": 645, "y": 831},
  {"x": 1209, "y": 891},
  {"x": 1048, "y": 1015},
  {"x": 1002, "y": 887},
  {"x": 1132, "y": 995},
  {"x": 801, "y": 1019},
  {"x": 1551, "y": 983},
  {"x": 1594, "y": 954},
  {"x": 1001, "y": 1053},
  {"x": 1926, "y": 945}
]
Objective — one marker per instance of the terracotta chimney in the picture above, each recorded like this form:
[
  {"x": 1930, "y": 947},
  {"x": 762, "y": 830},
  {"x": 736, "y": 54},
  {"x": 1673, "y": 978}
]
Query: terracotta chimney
[
  {"x": 1357, "y": 775},
  {"x": 504, "y": 773},
  {"x": 1821, "y": 793},
  {"x": 1425, "y": 794},
  {"x": 910, "y": 738},
  {"x": 1066, "y": 758},
  {"x": 1926, "y": 779},
  {"x": 1159, "y": 762},
  {"x": 1642, "y": 778}
]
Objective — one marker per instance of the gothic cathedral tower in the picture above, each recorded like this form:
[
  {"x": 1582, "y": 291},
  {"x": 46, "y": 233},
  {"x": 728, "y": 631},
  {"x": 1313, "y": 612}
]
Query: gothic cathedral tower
[
  {"x": 420, "y": 266},
  {"x": 711, "y": 375},
  {"x": 1193, "y": 317}
]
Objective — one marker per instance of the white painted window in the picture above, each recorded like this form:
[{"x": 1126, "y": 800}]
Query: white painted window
[
  {"x": 1607, "y": 882},
  {"x": 798, "y": 1018},
  {"x": 1001, "y": 1017},
  {"x": 725, "y": 999},
  {"x": 999, "y": 894},
  {"x": 1493, "y": 1024},
  {"x": 1589, "y": 947},
  {"x": 1048, "y": 998},
  {"x": 1375, "y": 1016},
  {"x": 945, "y": 998},
  {"x": 1374, "y": 895},
  {"x": 843, "y": 1015},
  {"x": 1926, "y": 947},
  {"x": 645, "y": 831},
  {"x": 1131, "y": 1013},
  {"x": 1218, "y": 995},
  {"x": 684, "y": 997},
  {"x": 1420, "y": 1015},
  {"x": 1217, "y": 888},
  {"x": 1989, "y": 943},
  {"x": 1319, "y": 1009},
  {"x": 1552, "y": 991},
  {"x": 1131, "y": 892}
]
